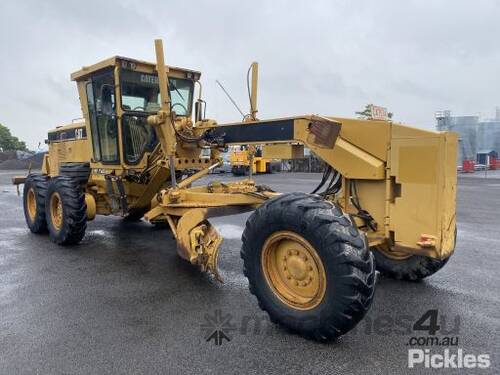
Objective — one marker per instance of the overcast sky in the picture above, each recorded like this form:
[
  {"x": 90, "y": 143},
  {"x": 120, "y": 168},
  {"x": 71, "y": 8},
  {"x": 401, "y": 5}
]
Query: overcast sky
[{"x": 324, "y": 57}]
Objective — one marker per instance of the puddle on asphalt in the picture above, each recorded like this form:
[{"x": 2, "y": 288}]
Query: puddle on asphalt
[
  {"x": 10, "y": 189},
  {"x": 229, "y": 231},
  {"x": 11, "y": 230}
]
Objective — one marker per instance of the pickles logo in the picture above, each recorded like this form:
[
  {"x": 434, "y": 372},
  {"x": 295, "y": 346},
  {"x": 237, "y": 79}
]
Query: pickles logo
[{"x": 448, "y": 359}]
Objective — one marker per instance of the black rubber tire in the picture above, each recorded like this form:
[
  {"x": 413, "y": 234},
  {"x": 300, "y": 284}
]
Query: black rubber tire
[
  {"x": 240, "y": 170},
  {"x": 348, "y": 263},
  {"x": 38, "y": 183},
  {"x": 414, "y": 268},
  {"x": 77, "y": 171},
  {"x": 273, "y": 167},
  {"x": 74, "y": 220}
]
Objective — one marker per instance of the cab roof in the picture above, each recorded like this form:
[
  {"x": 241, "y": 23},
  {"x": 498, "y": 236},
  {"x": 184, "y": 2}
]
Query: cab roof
[{"x": 132, "y": 64}]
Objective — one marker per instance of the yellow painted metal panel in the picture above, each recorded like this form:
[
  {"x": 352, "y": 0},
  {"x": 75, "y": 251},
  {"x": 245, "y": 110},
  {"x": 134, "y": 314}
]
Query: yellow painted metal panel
[
  {"x": 67, "y": 152},
  {"x": 411, "y": 160},
  {"x": 260, "y": 166},
  {"x": 138, "y": 64},
  {"x": 350, "y": 160},
  {"x": 425, "y": 168},
  {"x": 371, "y": 193},
  {"x": 369, "y": 135},
  {"x": 283, "y": 151},
  {"x": 448, "y": 194}
]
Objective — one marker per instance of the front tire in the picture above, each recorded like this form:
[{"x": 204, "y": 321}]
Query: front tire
[
  {"x": 34, "y": 192},
  {"x": 66, "y": 211},
  {"x": 308, "y": 265}
]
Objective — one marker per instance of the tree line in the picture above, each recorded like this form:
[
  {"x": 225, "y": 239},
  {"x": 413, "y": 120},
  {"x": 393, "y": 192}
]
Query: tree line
[{"x": 8, "y": 142}]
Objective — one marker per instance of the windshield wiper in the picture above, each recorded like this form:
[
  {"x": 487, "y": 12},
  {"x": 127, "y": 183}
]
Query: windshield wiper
[{"x": 177, "y": 91}]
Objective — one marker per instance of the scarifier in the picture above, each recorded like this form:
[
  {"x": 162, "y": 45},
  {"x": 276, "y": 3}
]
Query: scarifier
[{"x": 386, "y": 200}]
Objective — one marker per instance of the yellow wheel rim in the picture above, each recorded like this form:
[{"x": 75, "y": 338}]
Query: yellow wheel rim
[
  {"x": 393, "y": 254},
  {"x": 293, "y": 270},
  {"x": 31, "y": 204},
  {"x": 56, "y": 211}
]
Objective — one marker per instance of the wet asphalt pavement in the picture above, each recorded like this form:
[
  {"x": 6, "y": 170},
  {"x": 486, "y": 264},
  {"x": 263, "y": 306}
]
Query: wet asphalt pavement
[{"x": 123, "y": 302}]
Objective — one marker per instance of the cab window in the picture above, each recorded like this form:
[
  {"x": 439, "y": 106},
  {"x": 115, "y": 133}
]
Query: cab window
[
  {"x": 102, "y": 116},
  {"x": 140, "y": 94}
]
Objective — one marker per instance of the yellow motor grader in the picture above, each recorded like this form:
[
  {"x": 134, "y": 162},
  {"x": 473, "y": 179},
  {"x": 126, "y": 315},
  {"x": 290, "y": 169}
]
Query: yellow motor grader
[
  {"x": 243, "y": 158},
  {"x": 386, "y": 200}
]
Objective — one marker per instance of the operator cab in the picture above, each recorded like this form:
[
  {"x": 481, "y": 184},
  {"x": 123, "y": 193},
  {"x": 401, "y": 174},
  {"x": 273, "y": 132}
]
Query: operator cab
[{"x": 117, "y": 95}]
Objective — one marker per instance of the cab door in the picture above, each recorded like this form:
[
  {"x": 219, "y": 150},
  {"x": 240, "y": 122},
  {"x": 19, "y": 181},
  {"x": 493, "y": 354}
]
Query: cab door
[{"x": 103, "y": 120}]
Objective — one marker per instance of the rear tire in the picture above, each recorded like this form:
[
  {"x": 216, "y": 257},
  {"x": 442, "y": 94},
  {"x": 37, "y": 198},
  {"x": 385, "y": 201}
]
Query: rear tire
[
  {"x": 34, "y": 193},
  {"x": 66, "y": 211},
  {"x": 77, "y": 171},
  {"x": 413, "y": 268},
  {"x": 339, "y": 254}
]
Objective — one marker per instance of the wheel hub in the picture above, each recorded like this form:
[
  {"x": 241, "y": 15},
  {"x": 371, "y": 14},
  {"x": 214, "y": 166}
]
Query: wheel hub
[
  {"x": 293, "y": 270},
  {"x": 297, "y": 268},
  {"x": 56, "y": 211},
  {"x": 31, "y": 204}
]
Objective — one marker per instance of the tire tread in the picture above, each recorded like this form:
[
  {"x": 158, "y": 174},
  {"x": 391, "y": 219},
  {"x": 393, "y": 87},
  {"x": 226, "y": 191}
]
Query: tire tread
[
  {"x": 74, "y": 210},
  {"x": 350, "y": 251}
]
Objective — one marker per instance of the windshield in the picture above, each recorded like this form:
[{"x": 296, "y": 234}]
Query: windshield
[{"x": 141, "y": 93}]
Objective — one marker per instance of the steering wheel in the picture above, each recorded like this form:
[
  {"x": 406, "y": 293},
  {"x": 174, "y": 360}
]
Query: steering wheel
[
  {"x": 180, "y": 105},
  {"x": 139, "y": 107}
]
